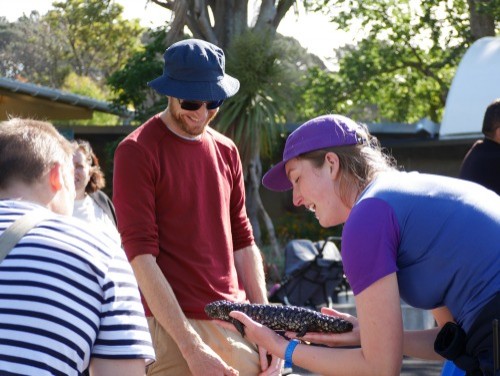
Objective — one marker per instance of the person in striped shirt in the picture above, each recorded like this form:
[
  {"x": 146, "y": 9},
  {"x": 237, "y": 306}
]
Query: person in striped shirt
[{"x": 68, "y": 297}]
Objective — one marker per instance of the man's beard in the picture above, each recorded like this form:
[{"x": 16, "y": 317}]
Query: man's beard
[{"x": 176, "y": 115}]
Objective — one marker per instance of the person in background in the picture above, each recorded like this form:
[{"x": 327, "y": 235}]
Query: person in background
[
  {"x": 179, "y": 196},
  {"x": 482, "y": 162},
  {"x": 91, "y": 203},
  {"x": 68, "y": 296},
  {"x": 427, "y": 239}
]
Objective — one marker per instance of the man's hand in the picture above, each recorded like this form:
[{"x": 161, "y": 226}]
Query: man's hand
[
  {"x": 351, "y": 338},
  {"x": 275, "y": 367},
  {"x": 261, "y": 336},
  {"x": 269, "y": 369},
  {"x": 204, "y": 361}
]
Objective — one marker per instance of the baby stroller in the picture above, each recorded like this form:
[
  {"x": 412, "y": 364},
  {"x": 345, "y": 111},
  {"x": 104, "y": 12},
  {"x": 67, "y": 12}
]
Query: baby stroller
[{"x": 314, "y": 275}]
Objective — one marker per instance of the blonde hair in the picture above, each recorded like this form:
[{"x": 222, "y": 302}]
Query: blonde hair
[
  {"x": 29, "y": 148},
  {"x": 359, "y": 164}
]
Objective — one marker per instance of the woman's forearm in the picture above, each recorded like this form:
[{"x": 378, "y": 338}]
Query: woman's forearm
[{"x": 420, "y": 344}]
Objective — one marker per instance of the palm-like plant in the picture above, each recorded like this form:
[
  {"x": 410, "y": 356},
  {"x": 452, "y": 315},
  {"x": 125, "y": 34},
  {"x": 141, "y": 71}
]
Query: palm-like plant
[{"x": 254, "y": 118}]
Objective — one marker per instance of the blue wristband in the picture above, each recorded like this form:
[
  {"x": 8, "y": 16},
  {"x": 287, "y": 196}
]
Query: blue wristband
[{"x": 289, "y": 352}]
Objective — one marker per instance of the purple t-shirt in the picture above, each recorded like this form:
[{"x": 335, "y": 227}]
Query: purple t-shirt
[{"x": 440, "y": 235}]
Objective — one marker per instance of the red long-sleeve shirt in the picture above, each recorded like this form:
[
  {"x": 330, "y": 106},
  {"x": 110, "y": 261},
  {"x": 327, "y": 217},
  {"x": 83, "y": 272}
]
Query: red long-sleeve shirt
[{"x": 183, "y": 201}]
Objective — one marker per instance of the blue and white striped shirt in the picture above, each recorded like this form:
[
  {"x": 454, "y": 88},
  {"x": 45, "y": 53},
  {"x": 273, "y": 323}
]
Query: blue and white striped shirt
[{"x": 67, "y": 293}]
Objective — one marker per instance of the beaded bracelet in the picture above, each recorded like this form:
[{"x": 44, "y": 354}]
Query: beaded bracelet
[{"x": 289, "y": 352}]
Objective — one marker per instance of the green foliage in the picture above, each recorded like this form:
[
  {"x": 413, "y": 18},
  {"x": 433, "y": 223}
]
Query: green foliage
[
  {"x": 99, "y": 40},
  {"x": 491, "y": 7},
  {"x": 87, "y": 87},
  {"x": 83, "y": 86},
  {"x": 402, "y": 68},
  {"x": 487, "y": 10},
  {"x": 254, "y": 117},
  {"x": 302, "y": 225},
  {"x": 130, "y": 83},
  {"x": 323, "y": 94},
  {"x": 32, "y": 51},
  {"x": 88, "y": 37}
]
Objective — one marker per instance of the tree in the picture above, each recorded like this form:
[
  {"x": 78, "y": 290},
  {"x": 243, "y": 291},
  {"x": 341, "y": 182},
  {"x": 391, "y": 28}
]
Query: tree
[
  {"x": 254, "y": 118},
  {"x": 8, "y": 34},
  {"x": 483, "y": 16},
  {"x": 88, "y": 37},
  {"x": 402, "y": 68},
  {"x": 230, "y": 18},
  {"x": 33, "y": 52},
  {"x": 99, "y": 40},
  {"x": 87, "y": 87},
  {"x": 130, "y": 83}
]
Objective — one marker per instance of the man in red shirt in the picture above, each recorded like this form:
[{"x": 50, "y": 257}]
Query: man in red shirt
[{"x": 180, "y": 201}]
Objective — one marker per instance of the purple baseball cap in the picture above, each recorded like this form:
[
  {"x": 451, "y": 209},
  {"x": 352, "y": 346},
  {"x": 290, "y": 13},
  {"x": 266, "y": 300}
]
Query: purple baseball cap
[{"x": 319, "y": 133}]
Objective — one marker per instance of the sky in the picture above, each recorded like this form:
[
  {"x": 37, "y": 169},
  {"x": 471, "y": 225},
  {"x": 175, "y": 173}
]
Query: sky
[{"x": 313, "y": 31}]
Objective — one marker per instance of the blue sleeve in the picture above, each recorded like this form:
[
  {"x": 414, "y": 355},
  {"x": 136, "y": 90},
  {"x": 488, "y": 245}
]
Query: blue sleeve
[{"x": 370, "y": 242}]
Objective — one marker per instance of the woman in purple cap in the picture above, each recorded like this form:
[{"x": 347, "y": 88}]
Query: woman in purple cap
[{"x": 430, "y": 240}]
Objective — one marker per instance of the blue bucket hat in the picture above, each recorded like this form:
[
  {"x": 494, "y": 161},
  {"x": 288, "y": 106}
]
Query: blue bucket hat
[
  {"x": 319, "y": 133},
  {"x": 194, "y": 70}
]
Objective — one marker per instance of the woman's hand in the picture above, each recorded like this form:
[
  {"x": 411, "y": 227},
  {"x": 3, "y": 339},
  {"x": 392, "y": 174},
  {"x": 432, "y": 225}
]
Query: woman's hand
[
  {"x": 257, "y": 333},
  {"x": 261, "y": 336},
  {"x": 351, "y": 338},
  {"x": 272, "y": 368}
]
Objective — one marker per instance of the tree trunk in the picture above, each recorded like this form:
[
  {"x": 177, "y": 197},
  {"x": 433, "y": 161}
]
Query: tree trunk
[
  {"x": 255, "y": 207},
  {"x": 482, "y": 24},
  {"x": 230, "y": 18}
]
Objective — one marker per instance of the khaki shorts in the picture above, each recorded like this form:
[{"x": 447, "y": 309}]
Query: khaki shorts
[{"x": 231, "y": 347}]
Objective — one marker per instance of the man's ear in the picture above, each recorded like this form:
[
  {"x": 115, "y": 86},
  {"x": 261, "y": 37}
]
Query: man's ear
[
  {"x": 333, "y": 163},
  {"x": 55, "y": 177}
]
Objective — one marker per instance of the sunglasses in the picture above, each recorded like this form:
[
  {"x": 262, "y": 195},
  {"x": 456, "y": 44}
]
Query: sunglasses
[{"x": 196, "y": 105}]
